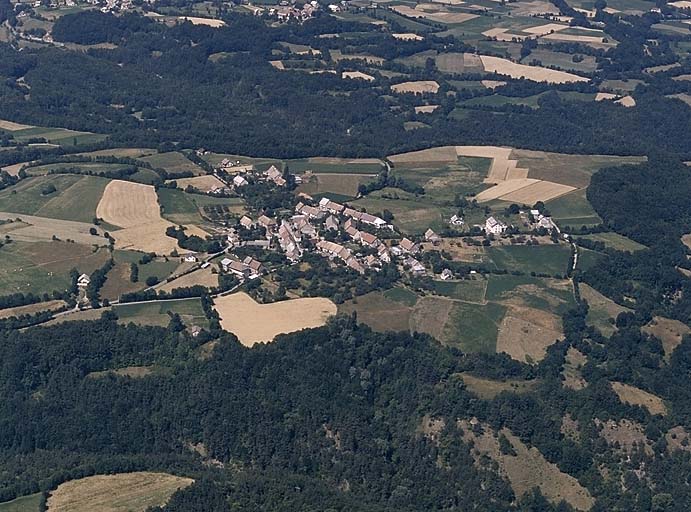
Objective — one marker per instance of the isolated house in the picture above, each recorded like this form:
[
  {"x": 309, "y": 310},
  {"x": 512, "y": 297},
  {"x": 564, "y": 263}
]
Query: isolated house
[
  {"x": 494, "y": 226},
  {"x": 456, "y": 220},
  {"x": 446, "y": 274},
  {"x": 83, "y": 281}
]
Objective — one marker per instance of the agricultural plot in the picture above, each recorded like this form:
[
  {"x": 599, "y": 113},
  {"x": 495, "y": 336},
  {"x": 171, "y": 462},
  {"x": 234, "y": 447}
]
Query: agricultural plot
[
  {"x": 41, "y": 267},
  {"x": 669, "y": 332},
  {"x": 380, "y": 311},
  {"x": 59, "y": 136},
  {"x": 525, "y": 468},
  {"x": 202, "y": 277},
  {"x": 158, "y": 313},
  {"x": 417, "y": 87},
  {"x": 58, "y": 196},
  {"x": 340, "y": 185},
  {"x": 474, "y": 327},
  {"x": 562, "y": 60},
  {"x": 82, "y": 167},
  {"x": 173, "y": 162},
  {"x": 635, "y": 396},
  {"x": 178, "y": 207},
  {"x": 124, "y": 492},
  {"x": 31, "y": 309},
  {"x": 573, "y": 210},
  {"x": 28, "y": 228},
  {"x": 615, "y": 241},
  {"x": 542, "y": 259},
  {"x": 205, "y": 183},
  {"x": 118, "y": 279},
  {"x": 254, "y": 323},
  {"x": 411, "y": 216},
  {"x": 466, "y": 290},
  {"x": 526, "y": 333},
  {"x": 134, "y": 207},
  {"x": 602, "y": 311}
]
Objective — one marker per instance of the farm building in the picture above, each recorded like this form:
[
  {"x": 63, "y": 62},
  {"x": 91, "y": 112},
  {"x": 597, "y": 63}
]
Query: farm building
[
  {"x": 456, "y": 220},
  {"x": 409, "y": 246},
  {"x": 446, "y": 274},
  {"x": 83, "y": 281},
  {"x": 431, "y": 236},
  {"x": 494, "y": 226},
  {"x": 246, "y": 222},
  {"x": 239, "y": 181}
]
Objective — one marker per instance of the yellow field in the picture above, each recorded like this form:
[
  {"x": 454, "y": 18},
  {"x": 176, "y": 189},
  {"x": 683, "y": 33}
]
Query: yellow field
[
  {"x": 540, "y": 191},
  {"x": 503, "y": 188},
  {"x": 205, "y": 183},
  {"x": 135, "y": 208},
  {"x": 634, "y": 396},
  {"x": 12, "y": 126},
  {"x": 254, "y": 323},
  {"x": 209, "y": 22},
  {"x": 418, "y": 87},
  {"x": 357, "y": 75},
  {"x": 125, "y": 492},
  {"x": 201, "y": 277},
  {"x": 31, "y": 309},
  {"x": 439, "y": 154},
  {"x": 535, "y": 73}
]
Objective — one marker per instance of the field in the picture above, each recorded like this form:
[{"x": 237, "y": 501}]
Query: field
[
  {"x": 542, "y": 259},
  {"x": 474, "y": 327},
  {"x": 82, "y": 167},
  {"x": 323, "y": 165},
  {"x": 31, "y": 309},
  {"x": 201, "y": 277},
  {"x": 562, "y": 60},
  {"x": 346, "y": 185},
  {"x": 634, "y": 396},
  {"x": 41, "y": 267},
  {"x": 173, "y": 162},
  {"x": 178, "y": 207},
  {"x": 60, "y": 136},
  {"x": 573, "y": 363},
  {"x": 535, "y": 73},
  {"x": 380, "y": 311},
  {"x": 135, "y": 208},
  {"x": 29, "y": 503},
  {"x": 602, "y": 311},
  {"x": 253, "y": 323},
  {"x": 467, "y": 290},
  {"x": 527, "y": 469},
  {"x": 205, "y": 183},
  {"x": 669, "y": 332},
  {"x": 410, "y": 215},
  {"x": 573, "y": 210},
  {"x": 488, "y": 389},
  {"x": 418, "y": 87},
  {"x": 526, "y": 333},
  {"x": 124, "y": 492},
  {"x": 28, "y": 228},
  {"x": 75, "y": 197},
  {"x": 157, "y": 313},
  {"x": 615, "y": 241},
  {"x": 118, "y": 281}
]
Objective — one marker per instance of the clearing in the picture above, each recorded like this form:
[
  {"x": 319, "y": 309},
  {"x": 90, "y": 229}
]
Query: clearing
[
  {"x": 669, "y": 332},
  {"x": 379, "y": 311},
  {"x": 488, "y": 389},
  {"x": 602, "y": 311},
  {"x": 534, "y": 73},
  {"x": 635, "y": 396},
  {"x": 526, "y": 333},
  {"x": 418, "y": 87},
  {"x": 574, "y": 361},
  {"x": 125, "y": 492},
  {"x": 253, "y": 323}
]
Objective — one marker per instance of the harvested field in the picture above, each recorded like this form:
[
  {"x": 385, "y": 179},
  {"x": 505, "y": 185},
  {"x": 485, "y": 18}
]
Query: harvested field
[
  {"x": 379, "y": 312},
  {"x": 201, "y": 277},
  {"x": 418, "y": 87},
  {"x": 357, "y": 75},
  {"x": 527, "y": 469},
  {"x": 543, "y": 30},
  {"x": 634, "y": 396},
  {"x": 488, "y": 389},
  {"x": 31, "y": 309},
  {"x": 12, "y": 126},
  {"x": 526, "y": 333},
  {"x": 561, "y": 37},
  {"x": 430, "y": 315},
  {"x": 439, "y": 17},
  {"x": 125, "y": 492},
  {"x": 669, "y": 332},
  {"x": 38, "y": 229},
  {"x": 410, "y": 36},
  {"x": 254, "y": 323},
  {"x": 209, "y": 22},
  {"x": 626, "y": 101},
  {"x": 602, "y": 311},
  {"x": 278, "y": 64},
  {"x": 446, "y": 154},
  {"x": 535, "y": 73},
  {"x": 502, "y": 168},
  {"x": 540, "y": 191},
  {"x": 135, "y": 208},
  {"x": 492, "y": 84},
  {"x": 426, "y": 109},
  {"x": 573, "y": 379},
  {"x": 204, "y": 183},
  {"x": 504, "y": 188}
]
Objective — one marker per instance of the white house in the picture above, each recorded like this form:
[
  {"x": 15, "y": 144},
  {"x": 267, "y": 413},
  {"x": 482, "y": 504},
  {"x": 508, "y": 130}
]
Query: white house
[
  {"x": 446, "y": 274},
  {"x": 494, "y": 226},
  {"x": 83, "y": 281},
  {"x": 239, "y": 181},
  {"x": 456, "y": 220}
]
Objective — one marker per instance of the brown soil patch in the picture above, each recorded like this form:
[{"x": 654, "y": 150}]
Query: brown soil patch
[
  {"x": 125, "y": 492},
  {"x": 634, "y": 396},
  {"x": 135, "y": 208},
  {"x": 625, "y": 433},
  {"x": 446, "y": 154},
  {"x": 686, "y": 240},
  {"x": 527, "y": 469},
  {"x": 378, "y": 312},
  {"x": 430, "y": 315},
  {"x": 253, "y": 323},
  {"x": 12, "y": 126},
  {"x": 201, "y": 277},
  {"x": 678, "y": 439},
  {"x": 525, "y": 333},
  {"x": 431, "y": 427},
  {"x": 487, "y": 389},
  {"x": 669, "y": 332},
  {"x": 573, "y": 363}
]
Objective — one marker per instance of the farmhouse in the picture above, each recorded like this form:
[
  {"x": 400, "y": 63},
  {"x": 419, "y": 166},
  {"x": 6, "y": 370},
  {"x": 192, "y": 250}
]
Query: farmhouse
[
  {"x": 494, "y": 226},
  {"x": 239, "y": 181},
  {"x": 409, "y": 246},
  {"x": 266, "y": 222},
  {"x": 246, "y": 222},
  {"x": 446, "y": 274},
  {"x": 255, "y": 266},
  {"x": 416, "y": 268},
  {"x": 235, "y": 267},
  {"x": 275, "y": 175},
  {"x": 83, "y": 281},
  {"x": 431, "y": 236},
  {"x": 456, "y": 220},
  {"x": 328, "y": 205}
]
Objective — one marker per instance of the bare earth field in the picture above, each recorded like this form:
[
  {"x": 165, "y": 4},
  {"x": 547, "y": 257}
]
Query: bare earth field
[
  {"x": 527, "y": 469},
  {"x": 254, "y": 323},
  {"x": 634, "y": 396},
  {"x": 204, "y": 183},
  {"x": 125, "y": 492},
  {"x": 535, "y": 73},
  {"x": 525, "y": 333},
  {"x": 419, "y": 87},
  {"x": 669, "y": 332},
  {"x": 135, "y": 208}
]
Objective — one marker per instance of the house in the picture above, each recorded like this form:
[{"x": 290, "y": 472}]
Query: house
[
  {"x": 432, "y": 237},
  {"x": 371, "y": 261},
  {"x": 396, "y": 250},
  {"x": 195, "y": 331},
  {"x": 255, "y": 266},
  {"x": 205, "y": 264},
  {"x": 372, "y": 220},
  {"x": 239, "y": 181},
  {"x": 546, "y": 222},
  {"x": 456, "y": 220},
  {"x": 83, "y": 281},
  {"x": 368, "y": 239},
  {"x": 260, "y": 244},
  {"x": 409, "y": 246},
  {"x": 225, "y": 262},
  {"x": 266, "y": 222},
  {"x": 415, "y": 266},
  {"x": 246, "y": 222},
  {"x": 355, "y": 265},
  {"x": 272, "y": 173},
  {"x": 446, "y": 274},
  {"x": 330, "y": 248},
  {"x": 383, "y": 253},
  {"x": 331, "y": 223},
  {"x": 328, "y": 205},
  {"x": 189, "y": 258},
  {"x": 494, "y": 226}
]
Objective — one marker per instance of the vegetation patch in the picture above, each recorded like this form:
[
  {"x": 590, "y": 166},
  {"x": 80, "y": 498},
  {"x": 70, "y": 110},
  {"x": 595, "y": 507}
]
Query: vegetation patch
[
  {"x": 158, "y": 313},
  {"x": 488, "y": 389},
  {"x": 381, "y": 311},
  {"x": 635, "y": 396},
  {"x": 669, "y": 332},
  {"x": 602, "y": 312}
]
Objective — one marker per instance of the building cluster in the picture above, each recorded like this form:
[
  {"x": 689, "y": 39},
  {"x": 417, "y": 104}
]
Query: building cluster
[{"x": 242, "y": 172}]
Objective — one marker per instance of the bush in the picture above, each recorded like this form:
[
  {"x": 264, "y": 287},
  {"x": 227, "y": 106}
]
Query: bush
[{"x": 151, "y": 281}]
